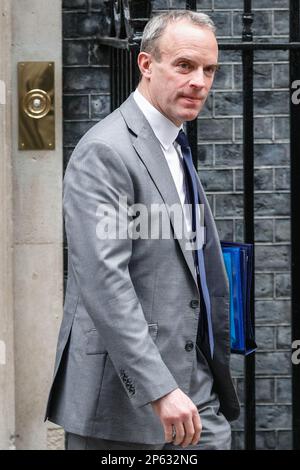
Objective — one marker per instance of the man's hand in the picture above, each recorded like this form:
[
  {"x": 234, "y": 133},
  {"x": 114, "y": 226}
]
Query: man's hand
[{"x": 176, "y": 410}]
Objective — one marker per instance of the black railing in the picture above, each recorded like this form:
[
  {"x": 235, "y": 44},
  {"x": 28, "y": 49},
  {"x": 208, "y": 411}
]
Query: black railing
[{"x": 128, "y": 18}]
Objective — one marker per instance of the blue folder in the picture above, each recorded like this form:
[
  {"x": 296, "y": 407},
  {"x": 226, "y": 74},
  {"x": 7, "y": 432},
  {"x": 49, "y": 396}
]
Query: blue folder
[{"x": 238, "y": 259}]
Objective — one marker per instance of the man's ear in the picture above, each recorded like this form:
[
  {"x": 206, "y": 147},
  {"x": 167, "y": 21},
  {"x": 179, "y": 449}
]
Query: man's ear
[{"x": 145, "y": 64}]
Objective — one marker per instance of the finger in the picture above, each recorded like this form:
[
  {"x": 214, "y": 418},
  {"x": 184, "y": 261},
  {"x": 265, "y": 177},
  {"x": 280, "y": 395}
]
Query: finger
[
  {"x": 198, "y": 428},
  {"x": 189, "y": 432},
  {"x": 180, "y": 434},
  {"x": 168, "y": 428}
]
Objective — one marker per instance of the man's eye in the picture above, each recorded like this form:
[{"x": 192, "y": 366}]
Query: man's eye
[
  {"x": 184, "y": 66},
  {"x": 209, "y": 70}
]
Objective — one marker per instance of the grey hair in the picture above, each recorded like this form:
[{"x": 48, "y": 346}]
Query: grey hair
[{"x": 156, "y": 26}]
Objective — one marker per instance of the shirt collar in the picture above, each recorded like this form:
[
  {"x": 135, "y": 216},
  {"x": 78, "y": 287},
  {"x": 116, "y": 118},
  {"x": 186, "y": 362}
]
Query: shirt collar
[{"x": 164, "y": 129}]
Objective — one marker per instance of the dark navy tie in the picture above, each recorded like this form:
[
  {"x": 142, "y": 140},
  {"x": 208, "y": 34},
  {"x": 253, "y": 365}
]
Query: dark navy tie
[{"x": 191, "y": 184}]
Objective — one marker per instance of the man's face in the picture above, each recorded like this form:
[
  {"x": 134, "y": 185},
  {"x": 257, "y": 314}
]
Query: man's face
[{"x": 178, "y": 84}]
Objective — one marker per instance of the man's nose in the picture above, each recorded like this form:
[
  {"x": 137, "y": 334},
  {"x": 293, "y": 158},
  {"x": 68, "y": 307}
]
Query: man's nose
[{"x": 197, "y": 79}]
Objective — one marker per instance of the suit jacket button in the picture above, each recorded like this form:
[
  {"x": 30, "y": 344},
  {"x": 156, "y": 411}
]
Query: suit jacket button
[
  {"x": 194, "y": 303},
  {"x": 189, "y": 346}
]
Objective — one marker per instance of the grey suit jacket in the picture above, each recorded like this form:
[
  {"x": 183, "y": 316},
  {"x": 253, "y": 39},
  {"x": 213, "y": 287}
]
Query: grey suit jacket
[{"x": 128, "y": 313}]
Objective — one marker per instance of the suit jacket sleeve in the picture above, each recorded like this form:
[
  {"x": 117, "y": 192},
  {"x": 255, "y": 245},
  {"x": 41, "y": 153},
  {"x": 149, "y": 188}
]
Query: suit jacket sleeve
[{"x": 97, "y": 176}]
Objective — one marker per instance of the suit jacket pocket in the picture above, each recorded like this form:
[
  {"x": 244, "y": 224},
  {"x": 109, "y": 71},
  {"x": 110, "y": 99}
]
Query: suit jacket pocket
[{"x": 94, "y": 342}]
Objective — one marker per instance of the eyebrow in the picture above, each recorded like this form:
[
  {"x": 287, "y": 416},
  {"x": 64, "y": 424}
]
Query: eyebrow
[{"x": 184, "y": 58}]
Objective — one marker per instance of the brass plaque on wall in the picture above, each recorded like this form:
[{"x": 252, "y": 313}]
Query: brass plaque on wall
[{"x": 36, "y": 105}]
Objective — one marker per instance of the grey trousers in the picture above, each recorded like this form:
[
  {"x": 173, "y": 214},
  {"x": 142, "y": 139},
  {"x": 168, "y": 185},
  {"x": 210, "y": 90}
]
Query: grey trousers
[{"x": 216, "y": 435}]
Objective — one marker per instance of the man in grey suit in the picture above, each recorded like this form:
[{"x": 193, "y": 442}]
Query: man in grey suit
[{"x": 137, "y": 366}]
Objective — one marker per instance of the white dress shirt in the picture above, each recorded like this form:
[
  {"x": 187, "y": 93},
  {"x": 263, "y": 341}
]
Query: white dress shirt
[{"x": 166, "y": 132}]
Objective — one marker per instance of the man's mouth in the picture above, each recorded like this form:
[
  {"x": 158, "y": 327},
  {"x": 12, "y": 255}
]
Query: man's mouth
[{"x": 193, "y": 99}]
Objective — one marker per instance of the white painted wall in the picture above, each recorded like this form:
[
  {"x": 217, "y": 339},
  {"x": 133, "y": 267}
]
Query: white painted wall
[
  {"x": 37, "y": 217},
  {"x": 7, "y": 398}
]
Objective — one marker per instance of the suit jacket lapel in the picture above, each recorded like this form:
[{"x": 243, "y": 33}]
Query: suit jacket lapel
[{"x": 149, "y": 151}]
